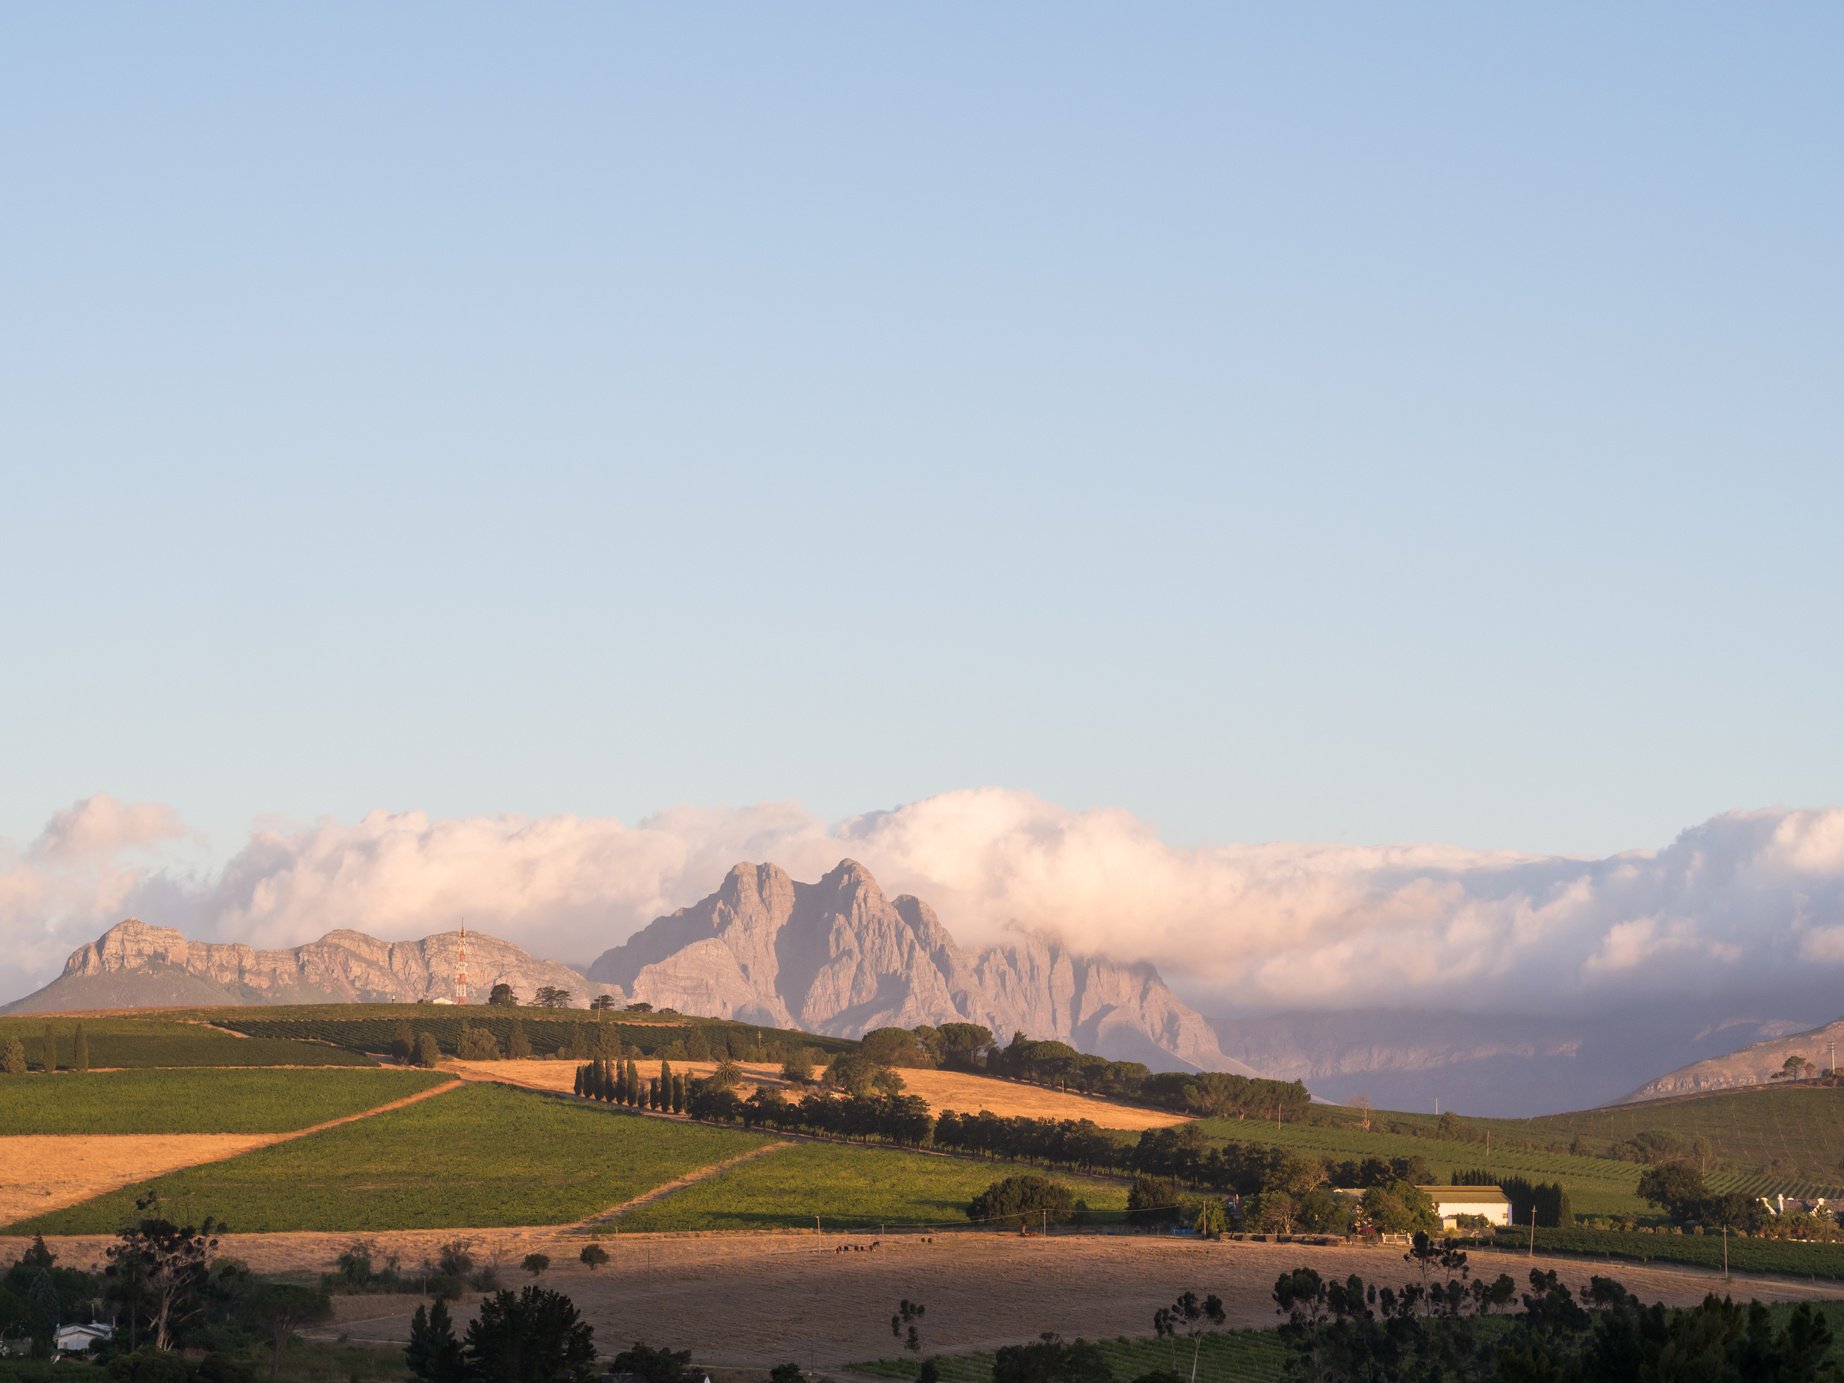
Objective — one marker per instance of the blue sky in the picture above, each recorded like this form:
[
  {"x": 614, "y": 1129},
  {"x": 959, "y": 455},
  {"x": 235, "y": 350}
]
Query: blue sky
[{"x": 1356, "y": 423}]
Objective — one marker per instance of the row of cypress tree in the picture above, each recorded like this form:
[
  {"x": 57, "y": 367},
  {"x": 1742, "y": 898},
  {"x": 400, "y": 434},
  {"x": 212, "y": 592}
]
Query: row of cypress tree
[
  {"x": 13, "y": 1061},
  {"x": 620, "y": 1082}
]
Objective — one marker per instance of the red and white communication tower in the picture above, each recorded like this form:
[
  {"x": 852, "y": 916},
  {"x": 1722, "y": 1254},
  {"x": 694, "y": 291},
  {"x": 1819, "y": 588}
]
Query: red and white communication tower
[{"x": 461, "y": 969}]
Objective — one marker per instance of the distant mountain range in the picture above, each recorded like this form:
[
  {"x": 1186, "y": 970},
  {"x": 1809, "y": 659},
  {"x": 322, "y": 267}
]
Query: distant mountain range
[
  {"x": 134, "y": 965},
  {"x": 833, "y": 957},
  {"x": 838, "y": 957}
]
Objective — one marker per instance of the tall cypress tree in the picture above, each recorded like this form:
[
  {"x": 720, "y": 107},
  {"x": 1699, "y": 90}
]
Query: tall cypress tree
[
  {"x": 51, "y": 1048},
  {"x": 518, "y": 1045},
  {"x": 635, "y": 1089},
  {"x": 80, "y": 1050}
]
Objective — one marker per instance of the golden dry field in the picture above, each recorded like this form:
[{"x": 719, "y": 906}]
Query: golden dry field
[
  {"x": 942, "y": 1089},
  {"x": 50, "y": 1171}
]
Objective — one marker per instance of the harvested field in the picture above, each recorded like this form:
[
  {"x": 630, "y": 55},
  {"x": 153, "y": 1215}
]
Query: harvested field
[
  {"x": 49, "y": 1171},
  {"x": 758, "y": 1300},
  {"x": 970, "y": 1094},
  {"x": 942, "y": 1089}
]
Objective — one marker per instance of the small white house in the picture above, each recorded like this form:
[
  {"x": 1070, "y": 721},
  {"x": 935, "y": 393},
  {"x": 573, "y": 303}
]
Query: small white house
[
  {"x": 80, "y": 1339},
  {"x": 1451, "y": 1202}
]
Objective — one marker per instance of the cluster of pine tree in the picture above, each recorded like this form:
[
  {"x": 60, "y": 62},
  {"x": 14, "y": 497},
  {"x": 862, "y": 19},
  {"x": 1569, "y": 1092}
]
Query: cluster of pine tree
[{"x": 615, "y": 1081}]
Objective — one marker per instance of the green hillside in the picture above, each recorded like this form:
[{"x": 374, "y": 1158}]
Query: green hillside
[
  {"x": 1596, "y": 1186},
  {"x": 1786, "y": 1140}
]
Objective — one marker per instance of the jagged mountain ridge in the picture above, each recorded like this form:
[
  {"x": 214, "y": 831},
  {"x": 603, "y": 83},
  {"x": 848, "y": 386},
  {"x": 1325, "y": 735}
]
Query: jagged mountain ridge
[
  {"x": 134, "y": 964},
  {"x": 838, "y": 957}
]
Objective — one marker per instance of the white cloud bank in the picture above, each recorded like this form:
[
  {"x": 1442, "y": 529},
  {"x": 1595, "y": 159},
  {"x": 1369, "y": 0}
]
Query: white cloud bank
[{"x": 1746, "y": 899}]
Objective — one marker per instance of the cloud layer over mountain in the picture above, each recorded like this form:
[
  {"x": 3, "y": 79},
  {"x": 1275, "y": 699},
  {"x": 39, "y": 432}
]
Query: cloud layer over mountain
[{"x": 1747, "y": 900}]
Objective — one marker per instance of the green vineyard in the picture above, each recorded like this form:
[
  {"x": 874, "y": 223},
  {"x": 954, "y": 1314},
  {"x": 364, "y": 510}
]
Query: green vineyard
[
  {"x": 1698, "y": 1250},
  {"x": 482, "y": 1155},
  {"x": 566, "y": 1033},
  {"x": 234, "y": 1100},
  {"x": 116, "y": 1043}
]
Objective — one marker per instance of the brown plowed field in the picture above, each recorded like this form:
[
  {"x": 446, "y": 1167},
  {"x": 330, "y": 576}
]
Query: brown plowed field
[
  {"x": 942, "y": 1089},
  {"x": 758, "y": 1300}
]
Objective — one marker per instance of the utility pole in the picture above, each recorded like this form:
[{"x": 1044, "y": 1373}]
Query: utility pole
[
  {"x": 1533, "y": 1231},
  {"x": 1725, "y": 1253}
]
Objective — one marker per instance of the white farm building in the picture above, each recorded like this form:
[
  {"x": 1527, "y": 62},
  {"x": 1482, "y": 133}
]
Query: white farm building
[{"x": 1451, "y": 1202}]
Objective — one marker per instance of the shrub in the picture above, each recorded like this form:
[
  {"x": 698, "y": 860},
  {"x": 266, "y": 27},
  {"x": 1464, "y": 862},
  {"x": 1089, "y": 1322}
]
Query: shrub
[
  {"x": 1023, "y": 1199},
  {"x": 1160, "y": 1200},
  {"x": 477, "y": 1044}
]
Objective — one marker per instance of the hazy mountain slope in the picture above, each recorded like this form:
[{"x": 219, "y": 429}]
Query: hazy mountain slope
[
  {"x": 1752, "y": 1065},
  {"x": 137, "y": 965},
  {"x": 838, "y": 957},
  {"x": 1498, "y": 1064}
]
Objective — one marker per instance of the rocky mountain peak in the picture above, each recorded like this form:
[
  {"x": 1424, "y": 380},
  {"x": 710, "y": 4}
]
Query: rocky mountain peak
[{"x": 837, "y": 956}]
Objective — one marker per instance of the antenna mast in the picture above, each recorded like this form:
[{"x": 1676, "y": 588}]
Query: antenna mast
[{"x": 461, "y": 969}]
